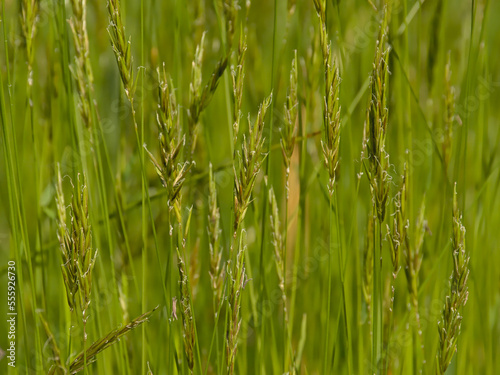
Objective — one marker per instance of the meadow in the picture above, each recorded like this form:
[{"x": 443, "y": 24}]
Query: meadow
[{"x": 249, "y": 187}]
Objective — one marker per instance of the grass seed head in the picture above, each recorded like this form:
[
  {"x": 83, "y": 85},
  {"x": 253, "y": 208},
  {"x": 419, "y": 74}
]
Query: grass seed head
[
  {"x": 199, "y": 95},
  {"x": 249, "y": 162},
  {"x": 171, "y": 171},
  {"x": 449, "y": 326},
  {"x": 377, "y": 116},
  {"x": 76, "y": 248},
  {"x": 331, "y": 106},
  {"x": 76, "y": 245},
  {"x": 277, "y": 240},
  {"x": 216, "y": 272},
  {"x": 82, "y": 70},
  {"x": 230, "y": 12},
  {"x": 238, "y": 280},
  {"x": 289, "y": 130},
  {"x": 122, "y": 48},
  {"x": 238, "y": 76},
  {"x": 89, "y": 355},
  {"x": 29, "y": 19}
]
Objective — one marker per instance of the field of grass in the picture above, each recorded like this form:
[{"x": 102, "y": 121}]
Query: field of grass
[{"x": 250, "y": 187}]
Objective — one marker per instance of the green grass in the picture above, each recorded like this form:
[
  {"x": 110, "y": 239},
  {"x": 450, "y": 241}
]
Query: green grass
[{"x": 91, "y": 106}]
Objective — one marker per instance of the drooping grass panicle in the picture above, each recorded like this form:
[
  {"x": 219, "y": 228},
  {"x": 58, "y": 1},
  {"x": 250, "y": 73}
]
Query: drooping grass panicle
[
  {"x": 249, "y": 162},
  {"x": 290, "y": 126},
  {"x": 122, "y": 49},
  {"x": 214, "y": 230},
  {"x": 377, "y": 116},
  {"x": 89, "y": 355},
  {"x": 83, "y": 70},
  {"x": 451, "y": 321},
  {"x": 238, "y": 76}
]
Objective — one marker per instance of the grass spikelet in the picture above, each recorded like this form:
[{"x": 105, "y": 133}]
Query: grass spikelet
[
  {"x": 238, "y": 76},
  {"x": 83, "y": 71},
  {"x": 290, "y": 126},
  {"x": 377, "y": 116},
  {"x": 449, "y": 326},
  {"x": 249, "y": 162},
  {"x": 199, "y": 95},
  {"x": 278, "y": 244},
  {"x": 237, "y": 280},
  {"x": 171, "y": 171},
  {"x": 29, "y": 17},
  {"x": 331, "y": 112},
  {"x": 111, "y": 338},
  {"x": 408, "y": 239},
  {"x": 216, "y": 272},
  {"x": 230, "y": 13},
  {"x": 186, "y": 306},
  {"x": 76, "y": 248},
  {"x": 122, "y": 49}
]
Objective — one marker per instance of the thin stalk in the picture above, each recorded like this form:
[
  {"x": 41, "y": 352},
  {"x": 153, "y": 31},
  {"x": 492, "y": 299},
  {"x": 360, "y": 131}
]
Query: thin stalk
[
  {"x": 331, "y": 250},
  {"x": 16, "y": 199},
  {"x": 144, "y": 188},
  {"x": 342, "y": 265},
  {"x": 11, "y": 188},
  {"x": 287, "y": 349},
  {"x": 377, "y": 297},
  {"x": 266, "y": 190},
  {"x": 300, "y": 242}
]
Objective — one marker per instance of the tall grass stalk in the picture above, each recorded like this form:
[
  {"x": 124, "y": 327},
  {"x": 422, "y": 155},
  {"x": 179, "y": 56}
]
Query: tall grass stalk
[
  {"x": 330, "y": 146},
  {"x": 249, "y": 163},
  {"x": 376, "y": 169},
  {"x": 288, "y": 137},
  {"x": 8, "y": 143},
  {"x": 123, "y": 54}
]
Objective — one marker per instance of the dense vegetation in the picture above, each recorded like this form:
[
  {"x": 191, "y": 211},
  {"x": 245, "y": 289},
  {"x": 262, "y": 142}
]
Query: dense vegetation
[{"x": 250, "y": 187}]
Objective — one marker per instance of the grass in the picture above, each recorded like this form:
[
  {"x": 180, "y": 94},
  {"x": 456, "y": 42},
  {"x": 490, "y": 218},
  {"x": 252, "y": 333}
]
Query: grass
[{"x": 244, "y": 181}]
